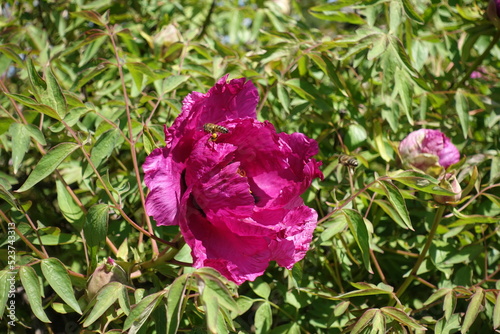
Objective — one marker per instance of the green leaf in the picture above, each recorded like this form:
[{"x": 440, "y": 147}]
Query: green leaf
[
  {"x": 6, "y": 281},
  {"x": 395, "y": 16},
  {"x": 402, "y": 317},
  {"x": 397, "y": 201},
  {"x": 365, "y": 292},
  {"x": 420, "y": 181},
  {"x": 391, "y": 212},
  {"x": 412, "y": 12},
  {"x": 263, "y": 318},
  {"x": 44, "y": 109},
  {"x": 13, "y": 55},
  {"x": 462, "y": 108},
  {"x": 379, "y": 46},
  {"x": 437, "y": 295},
  {"x": 102, "y": 150},
  {"x": 32, "y": 286},
  {"x": 7, "y": 196},
  {"x": 20, "y": 144},
  {"x": 337, "y": 16},
  {"x": 56, "y": 274},
  {"x": 404, "y": 90},
  {"x": 36, "y": 81},
  {"x": 378, "y": 324},
  {"x": 283, "y": 97},
  {"x": 170, "y": 83},
  {"x": 70, "y": 210},
  {"x": 48, "y": 164},
  {"x": 472, "y": 310},
  {"x": 449, "y": 304},
  {"x": 261, "y": 288},
  {"x": 447, "y": 326},
  {"x": 53, "y": 96},
  {"x": 175, "y": 300},
  {"x": 106, "y": 297},
  {"x": 141, "y": 312},
  {"x": 91, "y": 16},
  {"x": 364, "y": 321},
  {"x": 496, "y": 313},
  {"x": 358, "y": 228},
  {"x": 36, "y": 134},
  {"x": 96, "y": 225}
]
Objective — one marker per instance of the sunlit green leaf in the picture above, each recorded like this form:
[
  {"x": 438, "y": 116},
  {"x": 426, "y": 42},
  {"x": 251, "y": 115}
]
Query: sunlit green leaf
[{"x": 48, "y": 164}]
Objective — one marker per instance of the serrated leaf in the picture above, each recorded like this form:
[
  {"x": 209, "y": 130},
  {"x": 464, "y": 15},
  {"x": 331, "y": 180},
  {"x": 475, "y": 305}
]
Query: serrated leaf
[
  {"x": 56, "y": 274},
  {"x": 48, "y": 164},
  {"x": 364, "y": 321},
  {"x": 96, "y": 225},
  {"x": 20, "y": 144},
  {"x": 402, "y": 317},
  {"x": 397, "y": 201},
  {"x": 31, "y": 285},
  {"x": 462, "y": 108},
  {"x": 472, "y": 310},
  {"x": 106, "y": 297},
  {"x": 358, "y": 228}
]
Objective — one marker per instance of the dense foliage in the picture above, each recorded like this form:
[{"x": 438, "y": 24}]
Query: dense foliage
[{"x": 88, "y": 86}]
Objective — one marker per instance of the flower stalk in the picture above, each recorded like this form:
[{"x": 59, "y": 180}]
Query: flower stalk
[{"x": 437, "y": 219}]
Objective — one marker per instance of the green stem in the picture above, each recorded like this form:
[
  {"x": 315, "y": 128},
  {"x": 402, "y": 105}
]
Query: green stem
[{"x": 437, "y": 219}]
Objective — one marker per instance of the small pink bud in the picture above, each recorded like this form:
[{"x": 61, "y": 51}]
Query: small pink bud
[
  {"x": 450, "y": 183},
  {"x": 429, "y": 151}
]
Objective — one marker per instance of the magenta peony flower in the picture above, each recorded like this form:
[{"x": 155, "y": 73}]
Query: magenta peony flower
[
  {"x": 428, "y": 150},
  {"x": 234, "y": 187}
]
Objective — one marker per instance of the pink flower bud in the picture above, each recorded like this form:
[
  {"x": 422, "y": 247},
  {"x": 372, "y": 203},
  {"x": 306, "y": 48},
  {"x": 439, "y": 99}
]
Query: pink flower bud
[
  {"x": 450, "y": 183},
  {"x": 428, "y": 150}
]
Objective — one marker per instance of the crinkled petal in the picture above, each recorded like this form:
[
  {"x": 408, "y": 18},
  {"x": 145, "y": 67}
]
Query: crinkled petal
[
  {"x": 231, "y": 100},
  {"x": 163, "y": 178},
  {"x": 293, "y": 240},
  {"x": 239, "y": 258}
]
